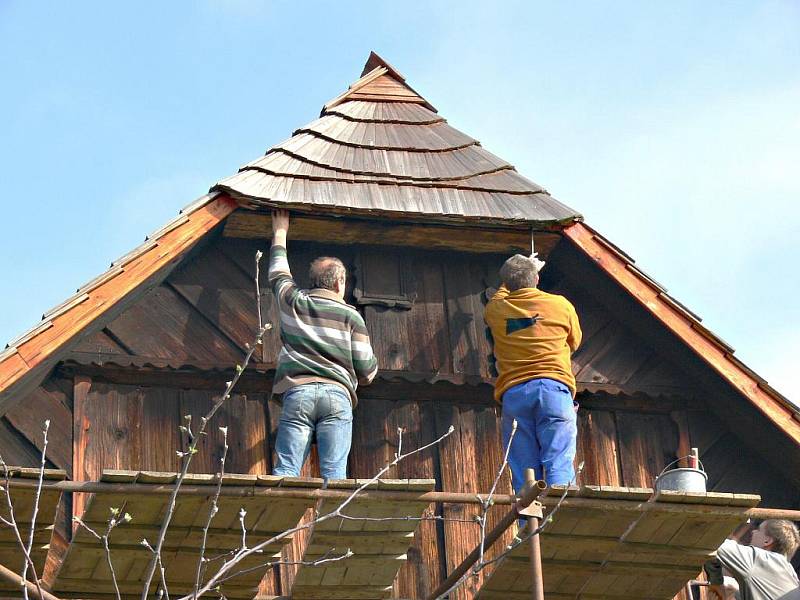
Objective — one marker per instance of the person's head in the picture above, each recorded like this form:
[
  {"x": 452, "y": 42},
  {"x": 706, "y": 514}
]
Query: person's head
[
  {"x": 328, "y": 273},
  {"x": 776, "y": 535},
  {"x": 521, "y": 272}
]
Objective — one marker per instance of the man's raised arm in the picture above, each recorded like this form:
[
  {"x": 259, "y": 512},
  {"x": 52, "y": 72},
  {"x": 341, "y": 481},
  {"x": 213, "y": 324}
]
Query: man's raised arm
[
  {"x": 280, "y": 277},
  {"x": 364, "y": 362}
]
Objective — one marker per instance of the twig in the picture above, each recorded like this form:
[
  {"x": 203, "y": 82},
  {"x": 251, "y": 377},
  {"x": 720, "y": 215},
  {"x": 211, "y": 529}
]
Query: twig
[
  {"x": 241, "y": 555},
  {"x": 194, "y": 440},
  {"x": 409, "y": 518},
  {"x": 326, "y": 558},
  {"x": 37, "y": 496},
  {"x": 242, "y": 515},
  {"x": 11, "y": 522},
  {"x": 481, "y": 520},
  {"x": 488, "y": 502},
  {"x": 482, "y": 564},
  {"x": 113, "y": 521},
  {"x": 214, "y": 508},
  {"x": 545, "y": 522},
  {"x": 157, "y": 555},
  {"x": 259, "y": 254}
]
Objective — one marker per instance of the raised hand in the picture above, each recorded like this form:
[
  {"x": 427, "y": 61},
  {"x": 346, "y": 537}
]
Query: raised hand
[{"x": 280, "y": 221}]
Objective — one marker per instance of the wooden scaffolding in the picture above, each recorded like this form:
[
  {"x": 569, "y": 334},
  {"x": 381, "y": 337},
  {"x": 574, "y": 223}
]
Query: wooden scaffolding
[{"x": 596, "y": 542}]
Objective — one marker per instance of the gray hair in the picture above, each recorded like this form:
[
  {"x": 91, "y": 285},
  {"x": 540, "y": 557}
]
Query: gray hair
[
  {"x": 521, "y": 272},
  {"x": 325, "y": 271},
  {"x": 785, "y": 535}
]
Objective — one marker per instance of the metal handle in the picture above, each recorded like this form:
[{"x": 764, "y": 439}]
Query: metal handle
[{"x": 699, "y": 462}]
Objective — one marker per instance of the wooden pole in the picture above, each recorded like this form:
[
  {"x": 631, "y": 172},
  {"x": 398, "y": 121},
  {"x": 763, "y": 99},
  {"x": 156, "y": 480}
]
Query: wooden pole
[
  {"x": 537, "y": 580},
  {"x": 602, "y": 504},
  {"x": 248, "y": 491},
  {"x": 774, "y": 513},
  {"x": 11, "y": 577},
  {"x": 528, "y": 497}
]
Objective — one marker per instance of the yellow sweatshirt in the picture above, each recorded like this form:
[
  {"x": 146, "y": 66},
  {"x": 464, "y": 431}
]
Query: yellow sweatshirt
[{"x": 534, "y": 335}]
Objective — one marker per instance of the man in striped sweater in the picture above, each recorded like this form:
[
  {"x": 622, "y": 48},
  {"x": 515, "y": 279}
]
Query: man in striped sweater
[{"x": 325, "y": 354}]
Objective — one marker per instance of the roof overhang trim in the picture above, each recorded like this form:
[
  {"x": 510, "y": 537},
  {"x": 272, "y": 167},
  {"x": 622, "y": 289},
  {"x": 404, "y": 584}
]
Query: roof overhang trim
[
  {"x": 711, "y": 349},
  {"x": 29, "y": 357}
]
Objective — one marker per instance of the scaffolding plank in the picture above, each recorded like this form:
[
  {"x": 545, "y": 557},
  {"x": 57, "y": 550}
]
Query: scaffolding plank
[
  {"x": 644, "y": 546},
  {"x": 85, "y": 567}
]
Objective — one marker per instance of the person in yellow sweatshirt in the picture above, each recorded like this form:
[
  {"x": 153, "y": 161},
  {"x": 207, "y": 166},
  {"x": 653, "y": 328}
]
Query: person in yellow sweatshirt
[{"x": 535, "y": 334}]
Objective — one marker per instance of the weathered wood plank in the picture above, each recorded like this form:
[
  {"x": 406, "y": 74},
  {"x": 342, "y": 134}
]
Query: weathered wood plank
[
  {"x": 50, "y": 401},
  {"x": 647, "y": 443},
  {"x": 86, "y": 558},
  {"x": 249, "y": 224},
  {"x": 459, "y": 473},
  {"x": 639, "y": 554},
  {"x": 597, "y": 447}
]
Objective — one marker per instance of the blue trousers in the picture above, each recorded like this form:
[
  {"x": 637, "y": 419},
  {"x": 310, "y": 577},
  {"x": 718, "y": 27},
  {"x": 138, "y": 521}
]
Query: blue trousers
[
  {"x": 323, "y": 408},
  {"x": 546, "y": 431}
]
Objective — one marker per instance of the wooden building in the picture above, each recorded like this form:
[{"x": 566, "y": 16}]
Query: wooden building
[{"x": 423, "y": 216}]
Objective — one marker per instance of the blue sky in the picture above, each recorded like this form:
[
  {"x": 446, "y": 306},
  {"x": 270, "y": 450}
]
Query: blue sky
[{"x": 674, "y": 127}]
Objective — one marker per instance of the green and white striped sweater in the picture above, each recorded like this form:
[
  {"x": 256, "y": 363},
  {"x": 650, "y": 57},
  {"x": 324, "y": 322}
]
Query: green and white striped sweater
[{"x": 324, "y": 339}]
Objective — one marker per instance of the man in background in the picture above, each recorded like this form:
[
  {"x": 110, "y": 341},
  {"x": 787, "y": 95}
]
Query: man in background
[
  {"x": 762, "y": 569},
  {"x": 535, "y": 334},
  {"x": 325, "y": 354}
]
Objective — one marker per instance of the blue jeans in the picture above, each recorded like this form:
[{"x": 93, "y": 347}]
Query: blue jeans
[
  {"x": 321, "y": 407},
  {"x": 546, "y": 431}
]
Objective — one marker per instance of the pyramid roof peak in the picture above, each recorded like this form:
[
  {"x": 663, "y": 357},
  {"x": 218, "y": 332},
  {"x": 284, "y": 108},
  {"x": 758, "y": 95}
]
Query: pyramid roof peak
[
  {"x": 380, "y": 82},
  {"x": 374, "y": 60}
]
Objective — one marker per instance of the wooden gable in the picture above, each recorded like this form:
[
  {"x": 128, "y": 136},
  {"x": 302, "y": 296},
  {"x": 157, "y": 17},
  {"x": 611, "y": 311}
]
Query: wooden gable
[{"x": 423, "y": 217}]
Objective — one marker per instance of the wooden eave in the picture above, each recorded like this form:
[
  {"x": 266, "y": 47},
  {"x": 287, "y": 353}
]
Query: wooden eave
[
  {"x": 711, "y": 349},
  {"x": 30, "y": 357}
]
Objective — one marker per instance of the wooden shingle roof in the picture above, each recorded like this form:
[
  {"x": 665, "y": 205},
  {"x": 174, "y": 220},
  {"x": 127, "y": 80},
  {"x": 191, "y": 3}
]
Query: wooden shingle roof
[{"x": 381, "y": 149}]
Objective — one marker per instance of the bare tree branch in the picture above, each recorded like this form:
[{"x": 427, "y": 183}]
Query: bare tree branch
[
  {"x": 259, "y": 254},
  {"x": 37, "y": 497},
  {"x": 194, "y": 440},
  {"x": 118, "y": 515},
  {"x": 240, "y": 555},
  {"x": 487, "y": 503},
  {"x": 162, "y": 590},
  {"x": 424, "y": 517},
  {"x": 12, "y": 521},
  {"x": 545, "y": 522},
  {"x": 327, "y": 558},
  {"x": 482, "y": 563},
  {"x": 214, "y": 508}
]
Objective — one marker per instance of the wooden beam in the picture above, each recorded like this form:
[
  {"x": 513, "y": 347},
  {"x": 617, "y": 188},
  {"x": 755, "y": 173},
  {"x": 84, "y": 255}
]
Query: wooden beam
[
  {"x": 257, "y": 224},
  {"x": 11, "y": 577},
  {"x": 717, "y": 503},
  {"x": 80, "y": 439}
]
